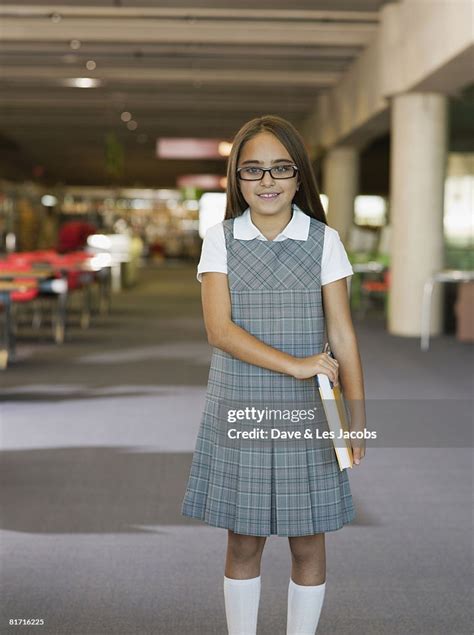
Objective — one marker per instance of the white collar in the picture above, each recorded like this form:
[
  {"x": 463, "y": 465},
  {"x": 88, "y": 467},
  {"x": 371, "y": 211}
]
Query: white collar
[{"x": 297, "y": 228}]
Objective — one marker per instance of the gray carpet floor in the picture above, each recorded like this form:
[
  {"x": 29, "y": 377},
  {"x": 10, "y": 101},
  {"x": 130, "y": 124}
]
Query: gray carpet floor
[{"x": 97, "y": 439}]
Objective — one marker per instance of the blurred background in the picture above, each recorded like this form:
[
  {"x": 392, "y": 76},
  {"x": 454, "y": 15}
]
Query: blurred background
[{"x": 116, "y": 121}]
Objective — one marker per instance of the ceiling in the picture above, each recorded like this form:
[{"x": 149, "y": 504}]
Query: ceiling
[{"x": 180, "y": 70}]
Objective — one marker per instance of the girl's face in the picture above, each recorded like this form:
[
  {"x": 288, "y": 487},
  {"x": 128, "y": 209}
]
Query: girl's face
[{"x": 269, "y": 196}]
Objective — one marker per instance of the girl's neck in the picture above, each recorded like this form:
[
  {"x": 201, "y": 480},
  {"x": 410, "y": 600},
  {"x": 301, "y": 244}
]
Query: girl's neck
[{"x": 272, "y": 225}]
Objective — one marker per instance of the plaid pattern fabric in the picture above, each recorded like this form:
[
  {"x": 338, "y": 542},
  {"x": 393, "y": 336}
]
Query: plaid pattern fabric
[{"x": 259, "y": 489}]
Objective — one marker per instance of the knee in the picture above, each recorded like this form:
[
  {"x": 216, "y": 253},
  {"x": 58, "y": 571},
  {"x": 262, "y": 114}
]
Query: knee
[
  {"x": 244, "y": 548},
  {"x": 306, "y": 548}
]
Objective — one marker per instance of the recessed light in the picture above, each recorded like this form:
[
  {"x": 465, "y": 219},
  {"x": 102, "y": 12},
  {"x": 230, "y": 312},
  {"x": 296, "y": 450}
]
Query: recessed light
[
  {"x": 48, "y": 200},
  {"x": 82, "y": 82}
]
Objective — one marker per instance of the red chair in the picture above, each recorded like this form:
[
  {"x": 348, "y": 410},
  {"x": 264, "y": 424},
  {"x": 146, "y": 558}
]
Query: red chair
[
  {"x": 73, "y": 235},
  {"x": 62, "y": 264},
  {"x": 69, "y": 266},
  {"x": 20, "y": 296},
  {"x": 48, "y": 289},
  {"x": 66, "y": 266},
  {"x": 375, "y": 288}
]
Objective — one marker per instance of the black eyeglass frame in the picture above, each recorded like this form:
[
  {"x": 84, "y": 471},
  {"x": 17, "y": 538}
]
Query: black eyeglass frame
[{"x": 275, "y": 167}]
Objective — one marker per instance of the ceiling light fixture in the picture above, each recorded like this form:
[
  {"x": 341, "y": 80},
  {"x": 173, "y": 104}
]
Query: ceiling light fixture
[
  {"x": 188, "y": 148},
  {"x": 82, "y": 82}
]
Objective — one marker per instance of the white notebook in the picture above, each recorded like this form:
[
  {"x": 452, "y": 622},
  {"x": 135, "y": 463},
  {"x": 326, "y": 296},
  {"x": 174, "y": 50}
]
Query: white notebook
[{"x": 335, "y": 410}]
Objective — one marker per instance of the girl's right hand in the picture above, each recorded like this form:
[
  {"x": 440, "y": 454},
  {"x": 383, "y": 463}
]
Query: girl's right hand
[{"x": 306, "y": 367}]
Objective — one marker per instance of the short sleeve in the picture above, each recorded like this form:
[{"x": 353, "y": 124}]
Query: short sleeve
[
  {"x": 335, "y": 263},
  {"x": 213, "y": 252}
]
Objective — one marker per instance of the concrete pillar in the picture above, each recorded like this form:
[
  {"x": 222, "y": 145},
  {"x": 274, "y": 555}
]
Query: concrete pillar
[
  {"x": 417, "y": 173},
  {"x": 340, "y": 184}
]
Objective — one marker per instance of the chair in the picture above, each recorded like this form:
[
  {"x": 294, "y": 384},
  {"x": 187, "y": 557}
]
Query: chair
[{"x": 375, "y": 288}]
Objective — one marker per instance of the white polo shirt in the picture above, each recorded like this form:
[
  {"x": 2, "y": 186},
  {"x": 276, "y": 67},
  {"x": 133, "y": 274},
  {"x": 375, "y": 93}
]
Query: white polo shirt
[{"x": 334, "y": 264}]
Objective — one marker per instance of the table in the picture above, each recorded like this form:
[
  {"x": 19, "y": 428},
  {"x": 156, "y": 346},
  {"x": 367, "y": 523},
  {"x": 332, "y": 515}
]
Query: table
[
  {"x": 39, "y": 274},
  {"x": 96, "y": 267},
  {"x": 6, "y": 289},
  {"x": 92, "y": 269},
  {"x": 444, "y": 276},
  {"x": 48, "y": 284}
]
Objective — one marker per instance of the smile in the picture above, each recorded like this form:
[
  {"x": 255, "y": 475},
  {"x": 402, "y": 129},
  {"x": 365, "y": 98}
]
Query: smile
[{"x": 272, "y": 195}]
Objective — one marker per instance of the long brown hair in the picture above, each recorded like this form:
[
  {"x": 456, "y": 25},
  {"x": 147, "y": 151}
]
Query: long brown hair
[{"x": 307, "y": 197}]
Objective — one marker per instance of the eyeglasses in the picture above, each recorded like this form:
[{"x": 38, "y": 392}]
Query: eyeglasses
[{"x": 253, "y": 173}]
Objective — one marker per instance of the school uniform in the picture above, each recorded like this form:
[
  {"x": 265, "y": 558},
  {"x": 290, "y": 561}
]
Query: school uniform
[{"x": 266, "y": 488}]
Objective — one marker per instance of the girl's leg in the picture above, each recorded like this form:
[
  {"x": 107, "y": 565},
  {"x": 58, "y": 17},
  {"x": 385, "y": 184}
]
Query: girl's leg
[
  {"x": 307, "y": 584},
  {"x": 244, "y": 554},
  {"x": 242, "y": 582},
  {"x": 308, "y": 559}
]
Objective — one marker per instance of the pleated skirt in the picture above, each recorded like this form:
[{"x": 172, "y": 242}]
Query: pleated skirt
[{"x": 259, "y": 489}]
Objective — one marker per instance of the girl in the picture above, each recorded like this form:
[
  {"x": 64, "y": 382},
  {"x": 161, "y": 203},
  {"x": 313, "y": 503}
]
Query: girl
[{"x": 273, "y": 278}]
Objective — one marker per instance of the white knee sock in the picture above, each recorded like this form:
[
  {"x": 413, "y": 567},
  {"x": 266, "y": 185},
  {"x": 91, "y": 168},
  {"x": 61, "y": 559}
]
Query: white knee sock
[
  {"x": 304, "y": 608},
  {"x": 242, "y": 598}
]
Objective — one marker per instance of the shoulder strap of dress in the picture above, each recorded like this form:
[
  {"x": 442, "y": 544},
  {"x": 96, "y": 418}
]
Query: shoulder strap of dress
[
  {"x": 314, "y": 225},
  {"x": 316, "y": 231},
  {"x": 228, "y": 226}
]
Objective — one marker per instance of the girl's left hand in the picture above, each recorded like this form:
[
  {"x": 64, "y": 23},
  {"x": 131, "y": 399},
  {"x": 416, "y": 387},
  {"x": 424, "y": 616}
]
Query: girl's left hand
[
  {"x": 357, "y": 426},
  {"x": 358, "y": 453}
]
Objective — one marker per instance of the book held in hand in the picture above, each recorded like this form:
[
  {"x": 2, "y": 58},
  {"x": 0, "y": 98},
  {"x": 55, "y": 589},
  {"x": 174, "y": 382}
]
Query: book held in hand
[{"x": 334, "y": 408}]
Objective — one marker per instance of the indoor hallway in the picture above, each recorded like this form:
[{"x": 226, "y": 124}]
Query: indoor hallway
[{"x": 96, "y": 459}]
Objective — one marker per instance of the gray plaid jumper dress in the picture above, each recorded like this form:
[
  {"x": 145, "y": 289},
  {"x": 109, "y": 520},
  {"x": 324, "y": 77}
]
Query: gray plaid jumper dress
[{"x": 269, "y": 488}]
